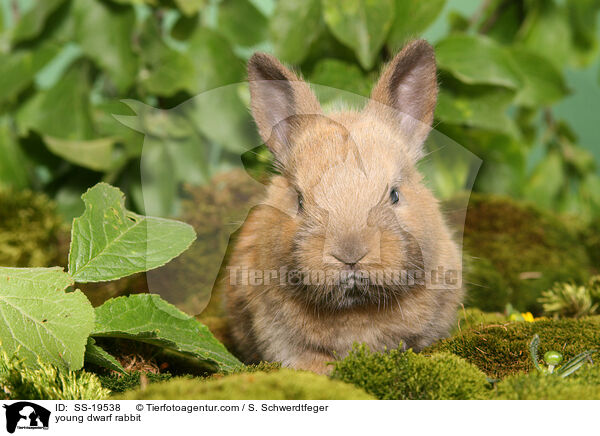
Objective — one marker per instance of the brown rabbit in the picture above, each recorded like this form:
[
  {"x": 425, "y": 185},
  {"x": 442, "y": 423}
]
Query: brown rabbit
[{"x": 349, "y": 245}]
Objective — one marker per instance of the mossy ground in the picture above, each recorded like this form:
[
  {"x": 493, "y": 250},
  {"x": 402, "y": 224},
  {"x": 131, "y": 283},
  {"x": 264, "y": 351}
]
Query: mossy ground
[
  {"x": 502, "y": 350},
  {"x": 399, "y": 375},
  {"x": 581, "y": 385},
  {"x": 284, "y": 384},
  {"x": 514, "y": 251}
]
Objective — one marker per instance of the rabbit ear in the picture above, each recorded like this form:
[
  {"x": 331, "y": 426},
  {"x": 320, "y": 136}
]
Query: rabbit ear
[
  {"x": 406, "y": 93},
  {"x": 278, "y": 99}
]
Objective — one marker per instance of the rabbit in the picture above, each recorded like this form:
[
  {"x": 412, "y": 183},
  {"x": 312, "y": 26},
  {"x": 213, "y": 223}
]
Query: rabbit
[{"x": 347, "y": 203}]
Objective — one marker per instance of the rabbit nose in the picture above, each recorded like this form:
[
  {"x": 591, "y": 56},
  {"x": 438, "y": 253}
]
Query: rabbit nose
[
  {"x": 349, "y": 260},
  {"x": 349, "y": 251}
]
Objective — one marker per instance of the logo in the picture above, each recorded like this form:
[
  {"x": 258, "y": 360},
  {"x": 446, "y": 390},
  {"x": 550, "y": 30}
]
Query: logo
[{"x": 26, "y": 415}]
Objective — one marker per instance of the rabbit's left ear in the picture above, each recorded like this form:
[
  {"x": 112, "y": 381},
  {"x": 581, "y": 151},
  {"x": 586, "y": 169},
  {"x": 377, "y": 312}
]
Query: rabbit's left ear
[{"x": 406, "y": 93}]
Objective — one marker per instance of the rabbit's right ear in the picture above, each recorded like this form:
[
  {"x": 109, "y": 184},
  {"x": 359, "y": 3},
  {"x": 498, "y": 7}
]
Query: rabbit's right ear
[{"x": 278, "y": 99}]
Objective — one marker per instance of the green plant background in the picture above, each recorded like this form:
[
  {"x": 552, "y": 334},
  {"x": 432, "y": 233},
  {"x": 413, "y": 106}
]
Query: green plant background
[{"x": 519, "y": 87}]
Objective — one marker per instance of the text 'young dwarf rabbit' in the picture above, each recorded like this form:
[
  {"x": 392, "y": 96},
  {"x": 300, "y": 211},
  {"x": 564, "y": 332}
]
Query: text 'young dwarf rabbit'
[{"x": 349, "y": 246}]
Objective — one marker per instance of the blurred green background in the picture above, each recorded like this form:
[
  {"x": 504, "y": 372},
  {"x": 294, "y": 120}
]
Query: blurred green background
[{"x": 519, "y": 87}]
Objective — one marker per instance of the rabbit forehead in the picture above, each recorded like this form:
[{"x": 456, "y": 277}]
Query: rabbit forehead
[{"x": 351, "y": 150}]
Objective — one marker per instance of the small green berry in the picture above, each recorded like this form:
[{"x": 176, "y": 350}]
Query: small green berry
[{"x": 553, "y": 357}]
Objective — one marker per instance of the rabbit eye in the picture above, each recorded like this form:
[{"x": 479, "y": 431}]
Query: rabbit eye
[
  {"x": 300, "y": 203},
  {"x": 394, "y": 196}
]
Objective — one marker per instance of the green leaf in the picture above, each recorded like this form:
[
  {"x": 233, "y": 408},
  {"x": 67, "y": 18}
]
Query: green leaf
[
  {"x": 546, "y": 31},
  {"x": 62, "y": 111},
  {"x": 339, "y": 76},
  {"x": 583, "y": 16},
  {"x": 294, "y": 26},
  {"x": 477, "y": 60},
  {"x": 18, "y": 69},
  {"x": 477, "y": 106},
  {"x": 33, "y": 21},
  {"x": 223, "y": 118},
  {"x": 543, "y": 84},
  {"x": 106, "y": 125},
  {"x": 148, "y": 318},
  {"x": 13, "y": 169},
  {"x": 214, "y": 61},
  {"x": 546, "y": 181},
  {"x": 190, "y": 7},
  {"x": 207, "y": 62},
  {"x": 98, "y": 356},
  {"x": 109, "y": 242},
  {"x": 412, "y": 17},
  {"x": 39, "y": 320},
  {"x": 361, "y": 25},
  {"x": 105, "y": 32},
  {"x": 95, "y": 154},
  {"x": 241, "y": 23}
]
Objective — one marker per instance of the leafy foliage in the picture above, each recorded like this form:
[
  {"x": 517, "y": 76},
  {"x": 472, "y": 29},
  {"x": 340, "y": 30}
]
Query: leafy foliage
[
  {"x": 33, "y": 300},
  {"x": 42, "y": 321},
  {"x": 107, "y": 232},
  {"x": 67, "y": 64},
  {"x": 150, "y": 319}
]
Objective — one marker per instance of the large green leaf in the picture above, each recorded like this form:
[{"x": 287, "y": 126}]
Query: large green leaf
[
  {"x": 34, "y": 19},
  {"x": 18, "y": 69},
  {"x": 583, "y": 16},
  {"x": 477, "y": 60},
  {"x": 339, "y": 79},
  {"x": 189, "y": 7},
  {"x": 39, "y": 320},
  {"x": 95, "y": 154},
  {"x": 412, "y": 17},
  {"x": 477, "y": 106},
  {"x": 109, "y": 242},
  {"x": 148, "y": 318},
  {"x": 214, "y": 61},
  {"x": 13, "y": 169},
  {"x": 241, "y": 22},
  {"x": 207, "y": 62},
  {"x": 294, "y": 26},
  {"x": 105, "y": 32},
  {"x": 546, "y": 181},
  {"x": 360, "y": 24},
  {"x": 165, "y": 70},
  {"x": 62, "y": 111},
  {"x": 543, "y": 84},
  {"x": 98, "y": 356},
  {"x": 546, "y": 31}
]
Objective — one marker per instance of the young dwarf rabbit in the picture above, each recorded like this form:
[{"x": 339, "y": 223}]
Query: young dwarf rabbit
[{"x": 304, "y": 280}]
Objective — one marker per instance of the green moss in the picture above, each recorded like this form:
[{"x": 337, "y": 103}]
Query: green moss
[
  {"x": 514, "y": 251},
  {"x": 571, "y": 300},
  {"x": 30, "y": 230},
  {"x": 591, "y": 239},
  {"x": 581, "y": 385},
  {"x": 472, "y": 317},
  {"x": 284, "y": 384},
  {"x": 398, "y": 375},
  {"x": 20, "y": 382},
  {"x": 118, "y": 383},
  {"x": 500, "y": 351}
]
